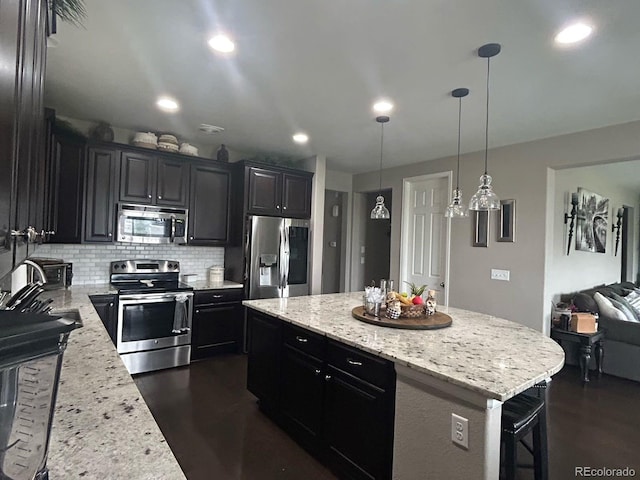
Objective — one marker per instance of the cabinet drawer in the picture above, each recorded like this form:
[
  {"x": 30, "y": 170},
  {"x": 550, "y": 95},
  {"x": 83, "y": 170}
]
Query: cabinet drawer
[
  {"x": 304, "y": 340},
  {"x": 369, "y": 368},
  {"x": 202, "y": 297}
]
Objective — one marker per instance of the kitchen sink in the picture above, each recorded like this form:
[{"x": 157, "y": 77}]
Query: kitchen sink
[{"x": 70, "y": 314}]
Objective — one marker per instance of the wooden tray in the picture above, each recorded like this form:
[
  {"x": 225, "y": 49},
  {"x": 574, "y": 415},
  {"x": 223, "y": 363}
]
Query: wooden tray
[{"x": 426, "y": 322}]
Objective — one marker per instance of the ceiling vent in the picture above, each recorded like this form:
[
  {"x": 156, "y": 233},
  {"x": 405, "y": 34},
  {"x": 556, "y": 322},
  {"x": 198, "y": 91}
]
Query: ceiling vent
[{"x": 210, "y": 129}]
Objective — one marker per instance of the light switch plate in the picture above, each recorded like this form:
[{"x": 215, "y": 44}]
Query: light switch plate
[{"x": 497, "y": 274}]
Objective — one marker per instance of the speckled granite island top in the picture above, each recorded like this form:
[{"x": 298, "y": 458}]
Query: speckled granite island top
[
  {"x": 494, "y": 357},
  {"x": 102, "y": 429}
]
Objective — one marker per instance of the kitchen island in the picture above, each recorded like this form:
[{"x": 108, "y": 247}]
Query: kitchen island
[{"x": 469, "y": 369}]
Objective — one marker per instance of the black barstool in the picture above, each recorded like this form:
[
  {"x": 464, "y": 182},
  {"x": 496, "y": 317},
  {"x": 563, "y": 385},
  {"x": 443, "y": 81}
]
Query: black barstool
[{"x": 521, "y": 415}]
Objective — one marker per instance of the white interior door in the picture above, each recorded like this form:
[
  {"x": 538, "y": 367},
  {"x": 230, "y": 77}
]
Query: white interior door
[{"x": 425, "y": 235}]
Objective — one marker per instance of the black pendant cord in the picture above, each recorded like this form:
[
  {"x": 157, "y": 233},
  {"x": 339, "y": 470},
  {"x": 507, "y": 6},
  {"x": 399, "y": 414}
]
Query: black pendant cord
[
  {"x": 381, "y": 146},
  {"x": 459, "y": 127},
  {"x": 486, "y": 130}
]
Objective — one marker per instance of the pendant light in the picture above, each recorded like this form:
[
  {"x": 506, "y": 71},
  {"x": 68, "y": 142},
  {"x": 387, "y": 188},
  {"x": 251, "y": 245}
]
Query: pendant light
[
  {"x": 380, "y": 212},
  {"x": 456, "y": 208},
  {"x": 485, "y": 199}
]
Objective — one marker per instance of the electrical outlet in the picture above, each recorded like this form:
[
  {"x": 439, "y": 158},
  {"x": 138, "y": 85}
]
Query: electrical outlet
[
  {"x": 460, "y": 430},
  {"x": 362, "y": 260},
  {"x": 500, "y": 274}
]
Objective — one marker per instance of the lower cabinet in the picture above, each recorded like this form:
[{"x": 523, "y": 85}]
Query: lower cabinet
[
  {"x": 217, "y": 323},
  {"x": 336, "y": 401},
  {"x": 107, "y": 308}
]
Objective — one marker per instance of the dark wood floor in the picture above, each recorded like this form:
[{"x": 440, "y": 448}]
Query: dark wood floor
[{"x": 216, "y": 431}]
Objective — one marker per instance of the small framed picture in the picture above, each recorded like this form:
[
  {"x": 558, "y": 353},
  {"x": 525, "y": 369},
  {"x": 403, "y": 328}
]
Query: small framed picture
[
  {"x": 507, "y": 221},
  {"x": 480, "y": 229}
]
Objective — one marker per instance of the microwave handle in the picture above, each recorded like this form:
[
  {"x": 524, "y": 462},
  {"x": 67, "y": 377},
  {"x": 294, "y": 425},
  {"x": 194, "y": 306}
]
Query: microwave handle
[{"x": 173, "y": 228}]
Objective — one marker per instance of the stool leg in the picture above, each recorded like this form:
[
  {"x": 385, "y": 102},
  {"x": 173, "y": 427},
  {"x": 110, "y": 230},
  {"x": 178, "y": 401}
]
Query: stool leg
[{"x": 540, "y": 448}]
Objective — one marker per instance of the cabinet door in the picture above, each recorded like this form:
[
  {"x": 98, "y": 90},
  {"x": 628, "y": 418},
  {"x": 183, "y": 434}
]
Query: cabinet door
[
  {"x": 137, "y": 177},
  {"x": 301, "y": 396},
  {"x": 216, "y": 329},
  {"x": 100, "y": 200},
  {"x": 106, "y": 308},
  {"x": 296, "y": 196},
  {"x": 358, "y": 427},
  {"x": 263, "y": 370},
  {"x": 209, "y": 206},
  {"x": 173, "y": 182},
  {"x": 67, "y": 161},
  {"x": 265, "y": 192}
]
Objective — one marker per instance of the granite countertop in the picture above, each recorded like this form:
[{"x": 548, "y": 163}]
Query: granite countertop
[
  {"x": 495, "y": 357},
  {"x": 205, "y": 285},
  {"x": 102, "y": 427}
]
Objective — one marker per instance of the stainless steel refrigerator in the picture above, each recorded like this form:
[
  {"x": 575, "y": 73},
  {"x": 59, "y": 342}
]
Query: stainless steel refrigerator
[{"x": 277, "y": 258}]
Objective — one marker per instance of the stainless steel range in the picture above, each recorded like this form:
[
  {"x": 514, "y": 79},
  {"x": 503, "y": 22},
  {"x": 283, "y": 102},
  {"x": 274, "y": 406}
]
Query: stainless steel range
[{"x": 154, "y": 314}]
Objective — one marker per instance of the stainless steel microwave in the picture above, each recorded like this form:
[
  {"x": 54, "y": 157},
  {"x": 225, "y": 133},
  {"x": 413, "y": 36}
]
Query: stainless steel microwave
[{"x": 149, "y": 224}]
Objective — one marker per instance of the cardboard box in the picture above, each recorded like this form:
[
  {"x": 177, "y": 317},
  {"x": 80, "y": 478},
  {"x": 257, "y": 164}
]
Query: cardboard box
[{"x": 583, "y": 323}]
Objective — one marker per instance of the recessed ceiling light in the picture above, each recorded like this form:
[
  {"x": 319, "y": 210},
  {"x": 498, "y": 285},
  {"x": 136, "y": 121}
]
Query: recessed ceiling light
[
  {"x": 167, "y": 104},
  {"x": 301, "y": 138},
  {"x": 222, "y": 43},
  {"x": 383, "y": 106},
  {"x": 573, "y": 33}
]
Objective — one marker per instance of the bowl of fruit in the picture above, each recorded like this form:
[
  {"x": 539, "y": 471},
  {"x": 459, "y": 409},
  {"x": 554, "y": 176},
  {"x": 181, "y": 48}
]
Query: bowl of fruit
[{"x": 406, "y": 305}]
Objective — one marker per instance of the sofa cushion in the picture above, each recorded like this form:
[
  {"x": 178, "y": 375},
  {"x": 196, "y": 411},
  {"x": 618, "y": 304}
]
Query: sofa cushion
[
  {"x": 634, "y": 300},
  {"x": 628, "y": 312},
  {"x": 585, "y": 303},
  {"x": 627, "y": 306},
  {"x": 618, "y": 289},
  {"x": 606, "y": 307},
  {"x": 620, "y": 331}
]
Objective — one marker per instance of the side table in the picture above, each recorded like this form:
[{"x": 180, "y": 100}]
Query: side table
[{"x": 586, "y": 342}]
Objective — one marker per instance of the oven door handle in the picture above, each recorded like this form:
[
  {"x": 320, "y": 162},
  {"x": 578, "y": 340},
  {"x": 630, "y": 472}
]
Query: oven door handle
[
  {"x": 152, "y": 297},
  {"x": 173, "y": 229}
]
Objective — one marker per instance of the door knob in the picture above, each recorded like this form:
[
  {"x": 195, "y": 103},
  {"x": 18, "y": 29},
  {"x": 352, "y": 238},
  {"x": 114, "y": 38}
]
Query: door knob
[{"x": 442, "y": 284}]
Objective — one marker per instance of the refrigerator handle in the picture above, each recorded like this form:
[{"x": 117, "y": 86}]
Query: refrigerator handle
[
  {"x": 282, "y": 258},
  {"x": 285, "y": 270}
]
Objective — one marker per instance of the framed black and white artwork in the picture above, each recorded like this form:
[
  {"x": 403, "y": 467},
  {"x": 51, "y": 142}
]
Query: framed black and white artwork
[
  {"x": 480, "y": 229},
  {"x": 507, "y": 221},
  {"x": 592, "y": 221}
]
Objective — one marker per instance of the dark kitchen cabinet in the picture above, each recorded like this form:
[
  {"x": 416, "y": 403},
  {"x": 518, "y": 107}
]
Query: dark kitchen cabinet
[
  {"x": 107, "y": 308},
  {"x": 101, "y": 191},
  {"x": 278, "y": 193},
  {"x": 150, "y": 179},
  {"x": 263, "y": 370},
  {"x": 358, "y": 414},
  {"x": 209, "y": 204},
  {"x": 66, "y": 187},
  {"x": 335, "y": 400},
  {"x": 218, "y": 319},
  {"x": 302, "y": 386},
  {"x": 23, "y": 32}
]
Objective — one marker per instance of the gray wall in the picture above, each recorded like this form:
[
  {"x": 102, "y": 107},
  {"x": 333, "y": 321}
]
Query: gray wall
[
  {"x": 377, "y": 242},
  {"x": 332, "y": 255},
  {"x": 519, "y": 172}
]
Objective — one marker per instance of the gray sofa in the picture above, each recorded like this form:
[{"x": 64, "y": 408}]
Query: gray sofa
[{"x": 622, "y": 337}]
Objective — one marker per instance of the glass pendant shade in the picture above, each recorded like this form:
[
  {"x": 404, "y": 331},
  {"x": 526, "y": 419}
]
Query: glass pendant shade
[
  {"x": 456, "y": 208},
  {"x": 484, "y": 199},
  {"x": 380, "y": 212}
]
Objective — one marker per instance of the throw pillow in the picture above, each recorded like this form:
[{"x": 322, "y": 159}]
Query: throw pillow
[
  {"x": 585, "y": 303},
  {"x": 634, "y": 300},
  {"x": 627, "y": 306},
  {"x": 606, "y": 307},
  {"x": 628, "y": 313}
]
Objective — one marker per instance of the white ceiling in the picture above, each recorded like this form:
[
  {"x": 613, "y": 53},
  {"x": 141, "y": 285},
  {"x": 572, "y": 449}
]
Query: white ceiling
[{"x": 318, "y": 65}]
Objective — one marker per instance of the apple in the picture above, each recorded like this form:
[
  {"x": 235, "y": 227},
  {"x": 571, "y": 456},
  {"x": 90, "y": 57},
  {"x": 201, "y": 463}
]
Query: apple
[{"x": 417, "y": 300}]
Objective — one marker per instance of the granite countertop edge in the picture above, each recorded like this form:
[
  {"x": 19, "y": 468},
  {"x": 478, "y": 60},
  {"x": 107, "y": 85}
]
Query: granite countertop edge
[{"x": 499, "y": 390}]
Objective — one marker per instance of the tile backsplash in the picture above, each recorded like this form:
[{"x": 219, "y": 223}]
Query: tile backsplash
[{"x": 91, "y": 262}]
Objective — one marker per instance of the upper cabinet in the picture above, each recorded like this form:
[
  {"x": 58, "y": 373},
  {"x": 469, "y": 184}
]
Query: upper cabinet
[
  {"x": 101, "y": 186},
  {"x": 23, "y": 27},
  {"x": 209, "y": 205},
  {"x": 150, "y": 179},
  {"x": 278, "y": 192}
]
